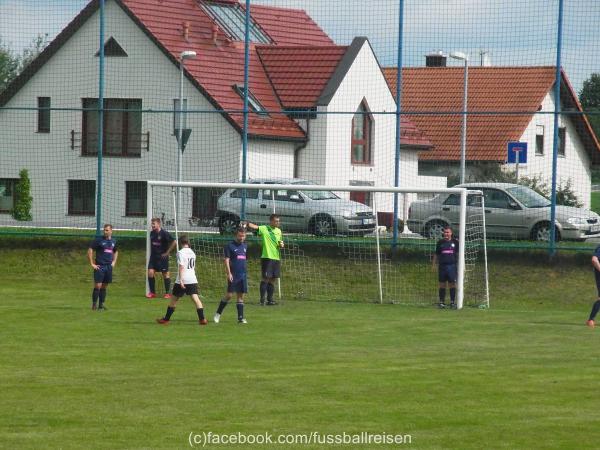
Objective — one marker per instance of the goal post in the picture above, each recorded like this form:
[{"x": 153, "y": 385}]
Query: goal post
[{"x": 350, "y": 225}]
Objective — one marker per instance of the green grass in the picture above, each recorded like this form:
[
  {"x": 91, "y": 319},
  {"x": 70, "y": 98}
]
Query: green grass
[
  {"x": 520, "y": 375},
  {"x": 595, "y": 202}
]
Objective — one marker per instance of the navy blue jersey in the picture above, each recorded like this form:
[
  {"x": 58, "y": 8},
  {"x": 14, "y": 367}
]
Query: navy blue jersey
[
  {"x": 159, "y": 242},
  {"x": 447, "y": 251},
  {"x": 236, "y": 252},
  {"x": 105, "y": 250}
]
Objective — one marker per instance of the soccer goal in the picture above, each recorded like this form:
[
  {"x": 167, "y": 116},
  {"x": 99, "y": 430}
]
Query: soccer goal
[{"x": 340, "y": 241}]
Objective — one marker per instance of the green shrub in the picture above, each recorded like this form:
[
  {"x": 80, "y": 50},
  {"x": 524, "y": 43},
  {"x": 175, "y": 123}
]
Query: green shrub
[{"x": 23, "y": 199}]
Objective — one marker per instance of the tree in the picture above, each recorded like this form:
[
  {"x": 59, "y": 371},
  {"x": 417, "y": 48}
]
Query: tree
[
  {"x": 23, "y": 199},
  {"x": 12, "y": 64},
  {"x": 590, "y": 100}
]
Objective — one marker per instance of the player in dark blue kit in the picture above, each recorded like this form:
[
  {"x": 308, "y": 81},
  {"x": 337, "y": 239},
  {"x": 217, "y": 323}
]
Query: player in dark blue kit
[
  {"x": 596, "y": 307},
  {"x": 161, "y": 244},
  {"x": 446, "y": 256},
  {"x": 235, "y": 266},
  {"x": 106, "y": 258}
]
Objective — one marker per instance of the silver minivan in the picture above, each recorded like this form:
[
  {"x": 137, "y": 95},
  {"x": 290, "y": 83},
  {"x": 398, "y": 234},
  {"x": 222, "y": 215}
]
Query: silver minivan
[
  {"x": 512, "y": 211},
  {"x": 322, "y": 213}
]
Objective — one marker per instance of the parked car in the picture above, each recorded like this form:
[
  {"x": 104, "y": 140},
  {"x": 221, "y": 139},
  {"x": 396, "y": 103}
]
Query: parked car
[
  {"x": 322, "y": 213},
  {"x": 512, "y": 211}
]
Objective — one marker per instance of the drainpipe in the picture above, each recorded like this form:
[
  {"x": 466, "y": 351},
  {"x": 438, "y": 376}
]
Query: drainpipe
[{"x": 301, "y": 146}]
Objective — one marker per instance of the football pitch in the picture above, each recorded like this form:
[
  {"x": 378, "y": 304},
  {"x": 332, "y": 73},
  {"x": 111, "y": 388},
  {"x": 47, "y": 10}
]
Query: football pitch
[{"x": 520, "y": 375}]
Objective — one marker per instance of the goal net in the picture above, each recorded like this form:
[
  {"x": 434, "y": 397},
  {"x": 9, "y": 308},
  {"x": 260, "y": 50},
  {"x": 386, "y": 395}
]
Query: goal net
[{"x": 340, "y": 241}]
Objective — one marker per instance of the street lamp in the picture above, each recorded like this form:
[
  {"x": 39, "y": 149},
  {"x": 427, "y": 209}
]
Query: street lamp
[
  {"x": 463, "y": 145},
  {"x": 188, "y": 54}
]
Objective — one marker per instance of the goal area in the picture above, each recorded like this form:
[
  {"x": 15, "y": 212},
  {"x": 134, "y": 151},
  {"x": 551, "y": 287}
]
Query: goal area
[{"x": 341, "y": 242}]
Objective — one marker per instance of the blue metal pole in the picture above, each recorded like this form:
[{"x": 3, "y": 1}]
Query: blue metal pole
[
  {"x": 246, "y": 91},
  {"x": 557, "y": 108},
  {"x": 100, "y": 123},
  {"x": 398, "y": 121}
]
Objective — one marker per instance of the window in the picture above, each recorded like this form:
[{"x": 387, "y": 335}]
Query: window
[
  {"x": 135, "y": 198},
  {"x": 231, "y": 17},
  {"x": 122, "y": 127},
  {"x": 496, "y": 199},
  {"x": 539, "y": 140},
  {"x": 281, "y": 195},
  {"x": 253, "y": 103},
  {"x": 113, "y": 48},
  {"x": 562, "y": 141},
  {"x": 250, "y": 193},
  {"x": 82, "y": 198},
  {"x": 43, "y": 123},
  {"x": 361, "y": 135},
  {"x": 7, "y": 194},
  {"x": 177, "y": 115}
]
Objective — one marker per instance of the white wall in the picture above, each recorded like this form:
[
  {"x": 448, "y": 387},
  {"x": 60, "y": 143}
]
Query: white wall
[
  {"x": 575, "y": 165},
  {"x": 213, "y": 151}
]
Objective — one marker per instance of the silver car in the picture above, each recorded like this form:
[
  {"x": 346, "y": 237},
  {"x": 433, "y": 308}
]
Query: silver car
[
  {"x": 512, "y": 211},
  {"x": 322, "y": 213}
]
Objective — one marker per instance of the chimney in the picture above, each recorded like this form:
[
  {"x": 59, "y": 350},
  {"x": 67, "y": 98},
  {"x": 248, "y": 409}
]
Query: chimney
[
  {"x": 186, "y": 31},
  {"x": 435, "y": 59},
  {"x": 215, "y": 33}
]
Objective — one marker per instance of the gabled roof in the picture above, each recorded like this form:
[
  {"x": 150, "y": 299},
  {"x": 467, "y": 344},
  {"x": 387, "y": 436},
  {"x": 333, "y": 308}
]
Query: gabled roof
[
  {"x": 493, "y": 89},
  {"x": 220, "y": 65}
]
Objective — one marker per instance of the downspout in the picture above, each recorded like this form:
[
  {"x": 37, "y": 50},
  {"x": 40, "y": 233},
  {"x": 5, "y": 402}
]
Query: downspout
[{"x": 301, "y": 146}]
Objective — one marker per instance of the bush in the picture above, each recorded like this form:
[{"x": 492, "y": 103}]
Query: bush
[{"x": 23, "y": 199}]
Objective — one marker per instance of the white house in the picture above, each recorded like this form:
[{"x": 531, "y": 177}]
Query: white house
[
  {"x": 495, "y": 97},
  {"x": 292, "y": 78}
]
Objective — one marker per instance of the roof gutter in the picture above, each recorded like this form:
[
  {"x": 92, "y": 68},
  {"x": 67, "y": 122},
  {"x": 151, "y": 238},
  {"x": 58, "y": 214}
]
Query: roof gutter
[{"x": 301, "y": 146}]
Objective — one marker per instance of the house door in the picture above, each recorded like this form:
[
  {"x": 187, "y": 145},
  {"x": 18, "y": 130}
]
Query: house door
[
  {"x": 204, "y": 203},
  {"x": 361, "y": 197}
]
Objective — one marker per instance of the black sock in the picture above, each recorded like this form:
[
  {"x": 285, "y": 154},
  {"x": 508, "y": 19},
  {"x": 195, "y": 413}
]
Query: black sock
[
  {"x": 240, "y": 309},
  {"x": 151, "y": 285},
  {"x": 222, "y": 306},
  {"x": 595, "y": 309},
  {"x": 442, "y": 294},
  {"x": 270, "y": 290},
  {"x": 263, "y": 291},
  {"x": 95, "y": 294},
  {"x": 102, "y": 297},
  {"x": 170, "y": 311},
  {"x": 167, "y": 285},
  {"x": 200, "y": 312},
  {"x": 452, "y": 295}
]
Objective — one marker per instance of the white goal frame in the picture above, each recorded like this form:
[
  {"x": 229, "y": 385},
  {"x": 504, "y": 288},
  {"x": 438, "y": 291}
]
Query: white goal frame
[{"x": 317, "y": 187}]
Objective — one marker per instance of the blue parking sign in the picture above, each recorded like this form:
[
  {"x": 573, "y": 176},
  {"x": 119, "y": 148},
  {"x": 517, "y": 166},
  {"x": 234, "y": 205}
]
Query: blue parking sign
[{"x": 517, "y": 148}]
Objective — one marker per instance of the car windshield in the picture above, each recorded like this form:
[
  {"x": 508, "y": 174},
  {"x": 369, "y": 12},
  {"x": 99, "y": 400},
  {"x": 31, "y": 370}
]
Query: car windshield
[
  {"x": 528, "y": 197},
  {"x": 320, "y": 195}
]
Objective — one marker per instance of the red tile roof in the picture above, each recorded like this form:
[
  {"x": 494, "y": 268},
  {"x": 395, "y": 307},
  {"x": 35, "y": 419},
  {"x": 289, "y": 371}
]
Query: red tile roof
[
  {"x": 492, "y": 89},
  {"x": 220, "y": 66},
  {"x": 299, "y": 74}
]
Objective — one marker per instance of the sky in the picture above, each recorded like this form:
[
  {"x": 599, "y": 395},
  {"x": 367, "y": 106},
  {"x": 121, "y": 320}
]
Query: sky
[{"x": 511, "y": 32}]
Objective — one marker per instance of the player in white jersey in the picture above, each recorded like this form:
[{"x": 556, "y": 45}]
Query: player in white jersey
[{"x": 186, "y": 282}]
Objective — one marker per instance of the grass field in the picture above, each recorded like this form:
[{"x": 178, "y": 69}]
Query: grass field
[{"x": 520, "y": 375}]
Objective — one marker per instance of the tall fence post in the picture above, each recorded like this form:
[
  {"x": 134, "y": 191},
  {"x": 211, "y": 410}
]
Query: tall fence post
[
  {"x": 100, "y": 122},
  {"x": 398, "y": 121},
  {"x": 246, "y": 92},
  {"x": 556, "y": 143}
]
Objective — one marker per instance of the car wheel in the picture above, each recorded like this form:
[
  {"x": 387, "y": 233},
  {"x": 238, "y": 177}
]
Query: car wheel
[
  {"x": 435, "y": 229},
  {"x": 541, "y": 232},
  {"x": 323, "y": 225},
  {"x": 228, "y": 224}
]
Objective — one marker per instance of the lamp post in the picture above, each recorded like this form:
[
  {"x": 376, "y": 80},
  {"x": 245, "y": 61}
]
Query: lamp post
[
  {"x": 463, "y": 144},
  {"x": 188, "y": 54}
]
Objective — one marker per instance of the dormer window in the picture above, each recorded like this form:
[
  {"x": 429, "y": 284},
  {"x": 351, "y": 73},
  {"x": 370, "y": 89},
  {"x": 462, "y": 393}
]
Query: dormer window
[
  {"x": 231, "y": 18},
  {"x": 253, "y": 103}
]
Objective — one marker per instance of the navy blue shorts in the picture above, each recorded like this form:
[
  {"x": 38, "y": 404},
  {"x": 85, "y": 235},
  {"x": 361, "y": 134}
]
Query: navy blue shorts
[
  {"x": 270, "y": 268},
  {"x": 103, "y": 274},
  {"x": 447, "y": 272},
  {"x": 159, "y": 264},
  {"x": 239, "y": 285},
  {"x": 597, "y": 275}
]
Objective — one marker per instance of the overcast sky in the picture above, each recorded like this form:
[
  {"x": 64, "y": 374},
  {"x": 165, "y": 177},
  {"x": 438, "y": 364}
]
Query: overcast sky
[{"x": 512, "y": 32}]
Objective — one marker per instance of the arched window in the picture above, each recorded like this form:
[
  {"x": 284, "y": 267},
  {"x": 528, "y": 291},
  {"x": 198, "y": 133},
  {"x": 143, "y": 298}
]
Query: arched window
[{"x": 362, "y": 125}]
